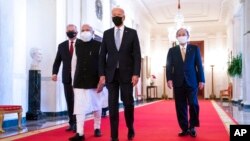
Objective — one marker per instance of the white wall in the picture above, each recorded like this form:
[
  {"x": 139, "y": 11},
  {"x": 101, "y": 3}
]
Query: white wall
[
  {"x": 42, "y": 33},
  {"x": 216, "y": 54},
  {"x": 88, "y": 12}
]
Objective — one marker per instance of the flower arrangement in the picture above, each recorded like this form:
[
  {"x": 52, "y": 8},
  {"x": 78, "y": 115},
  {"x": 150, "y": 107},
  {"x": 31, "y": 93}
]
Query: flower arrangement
[
  {"x": 235, "y": 66},
  {"x": 152, "y": 78}
]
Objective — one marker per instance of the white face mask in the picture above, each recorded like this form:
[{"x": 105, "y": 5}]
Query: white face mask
[
  {"x": 182, "y": 39},
  {"x": 86, "y": 36}
]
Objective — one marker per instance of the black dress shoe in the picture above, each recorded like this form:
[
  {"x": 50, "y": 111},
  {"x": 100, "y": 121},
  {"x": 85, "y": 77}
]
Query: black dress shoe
[
  {"x": 131, "y": 134},
  {"x": 97, "y": 133},
  {"x": 114, "y": 140},
  {"x": 183, "y": 133},
  {"x": 192, "y": 132},
  {"x": 77, "y": 138}
]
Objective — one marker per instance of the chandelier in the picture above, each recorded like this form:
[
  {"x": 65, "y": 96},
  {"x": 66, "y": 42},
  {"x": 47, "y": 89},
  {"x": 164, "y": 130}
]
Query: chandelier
[
  {"x": 179, "y": 22},
  {"x": 179, "y": 18}
]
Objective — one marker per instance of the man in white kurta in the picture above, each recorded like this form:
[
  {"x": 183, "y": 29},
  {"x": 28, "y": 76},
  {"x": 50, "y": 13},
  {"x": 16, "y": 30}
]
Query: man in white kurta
[{"x": 85, "y": 68}]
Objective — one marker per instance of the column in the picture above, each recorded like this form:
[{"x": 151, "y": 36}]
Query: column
[
  {"x": 13, "y": 54},
  {"x": 164, "y": 94},
  {"x": 238, "y": 45},
  {"x": 34, "y": 96},
  {"x": 74, "y": 13},
  {"x": 6, "y": 50},
  {"x": 246, "y": 57}
]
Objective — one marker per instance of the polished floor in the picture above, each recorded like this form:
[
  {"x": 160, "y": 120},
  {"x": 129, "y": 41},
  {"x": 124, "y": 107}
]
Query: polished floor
[{"x": 233, "y": 110}]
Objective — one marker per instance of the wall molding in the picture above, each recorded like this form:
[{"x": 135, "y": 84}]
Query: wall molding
[{"x": 54, "y": 114}]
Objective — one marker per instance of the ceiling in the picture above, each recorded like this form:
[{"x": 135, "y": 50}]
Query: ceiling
[
  {"x": 212, "y": 14},
  {"x": 163, "y": 11}
]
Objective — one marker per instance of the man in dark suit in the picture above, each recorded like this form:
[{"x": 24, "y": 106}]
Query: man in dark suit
[
  {"x": 120, "y": 65},
  {"x": 87, "y": 98},
  {"x": 64, "y": 55},
  {"x": 185, "y": 74}
]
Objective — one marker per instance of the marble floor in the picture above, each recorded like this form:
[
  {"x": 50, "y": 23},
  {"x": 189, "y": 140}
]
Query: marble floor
[{"x": 234, "y": 110}]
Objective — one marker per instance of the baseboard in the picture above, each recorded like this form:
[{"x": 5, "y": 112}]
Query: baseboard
[
  {"x": 54, "y": 114},
  {"x": 246, "y": 107},
  {"x": 13, "y": 122}
]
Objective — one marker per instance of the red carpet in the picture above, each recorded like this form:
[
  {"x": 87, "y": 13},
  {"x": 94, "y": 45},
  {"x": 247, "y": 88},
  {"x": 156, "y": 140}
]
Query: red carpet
[{"x": 153, "y": 122}]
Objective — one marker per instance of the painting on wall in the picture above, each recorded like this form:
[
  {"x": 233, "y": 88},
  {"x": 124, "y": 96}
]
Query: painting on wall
[{"x": 93, "y": 13}]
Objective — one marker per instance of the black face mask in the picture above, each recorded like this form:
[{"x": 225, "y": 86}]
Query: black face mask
[
  {"x": 71, "y": 34},
  {"x": 117, "y": 20}
]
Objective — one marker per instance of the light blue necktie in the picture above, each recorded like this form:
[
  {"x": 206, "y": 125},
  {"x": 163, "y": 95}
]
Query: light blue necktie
[{"x": 117, "y": 39}]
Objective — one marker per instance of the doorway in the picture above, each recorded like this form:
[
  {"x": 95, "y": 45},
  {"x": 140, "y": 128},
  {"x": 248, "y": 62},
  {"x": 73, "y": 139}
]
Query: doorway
[{"x": 200, "y": 44}]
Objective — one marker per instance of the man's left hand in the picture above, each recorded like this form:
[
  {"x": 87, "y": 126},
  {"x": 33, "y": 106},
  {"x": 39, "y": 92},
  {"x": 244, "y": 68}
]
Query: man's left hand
[
  {"x": 201, "y": 85},
  {"x": 99, "y": 87},
  {"x": 135, "y": 79}
]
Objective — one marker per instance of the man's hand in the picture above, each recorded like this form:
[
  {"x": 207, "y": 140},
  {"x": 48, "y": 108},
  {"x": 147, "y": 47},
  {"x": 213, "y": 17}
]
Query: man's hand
[
  {"x": 99, "y": 87},
  {"x": 135, "y": 79},
  {"x": 170, "y": 84},
  {"x": 54, "y": 77},
  {"x": 102, "y": 80},
  {"x": 201, "y": 85},
  {"x": 101, "y": 84}
]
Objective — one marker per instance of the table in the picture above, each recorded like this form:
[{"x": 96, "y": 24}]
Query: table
[{"x": 151, "y": 92}]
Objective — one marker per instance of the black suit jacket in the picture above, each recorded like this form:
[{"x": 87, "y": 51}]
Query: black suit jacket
[
  {"x": 128, "y": 56},
  {"x": 190, "y": 70},
  {"x": 86, "y": 73},
  {"x": 64, "y": 56}
]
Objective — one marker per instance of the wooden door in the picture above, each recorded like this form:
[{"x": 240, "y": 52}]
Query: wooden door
[{"x": 200, "y": 44}]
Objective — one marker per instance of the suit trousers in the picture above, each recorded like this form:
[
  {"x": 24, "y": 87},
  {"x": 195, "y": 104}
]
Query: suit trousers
[
  {"x": 186, "y": 98},
  {"x": 126, "y": 91},
  {"x": 69, "y": 96}
]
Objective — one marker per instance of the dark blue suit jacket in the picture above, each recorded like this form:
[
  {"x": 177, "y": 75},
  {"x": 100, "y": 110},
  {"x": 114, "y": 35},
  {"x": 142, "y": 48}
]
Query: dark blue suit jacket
[
  {"x": 190, "y": 70},
  {"x": 63, "y": 56},
  {"x": 129, "y": 55}
]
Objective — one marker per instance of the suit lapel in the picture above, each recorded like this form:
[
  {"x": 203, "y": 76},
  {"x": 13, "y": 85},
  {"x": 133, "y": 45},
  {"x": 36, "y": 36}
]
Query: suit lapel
[
  {"x": 112, "y": 32},
  {"x": 124, "y": 37},
  {"x": 67, "y": 49},
  {"x": 188, "y": 51},
  {"x": 179, "y": 52},
  {"x": 77, "y": 43}
]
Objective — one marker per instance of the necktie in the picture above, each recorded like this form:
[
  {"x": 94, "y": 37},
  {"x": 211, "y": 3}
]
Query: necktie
[
  {"x": 183, "y": 53},
  {"x": 71, "y": 48},
  {"x": 117, "y": 39}
]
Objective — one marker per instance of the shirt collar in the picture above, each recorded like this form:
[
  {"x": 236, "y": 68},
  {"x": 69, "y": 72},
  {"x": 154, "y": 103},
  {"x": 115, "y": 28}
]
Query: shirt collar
[
  {"x": 185, "y": 46},
  {"x": 73, "y": 41},
  {"x": 121, "y": 28}
]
